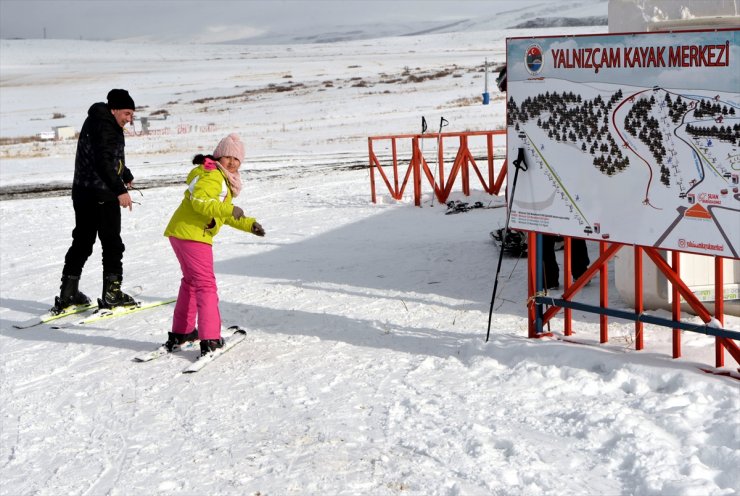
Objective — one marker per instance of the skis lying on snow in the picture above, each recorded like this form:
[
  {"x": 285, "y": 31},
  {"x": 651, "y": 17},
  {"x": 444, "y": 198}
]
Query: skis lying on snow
[
  {"x": 232, "y": 336},
  {"x": 106, "y": 313},
  {"x": 456, "y": 207},
  {"x": 97, "y": 314},
  {"x": 237, "y": 336},
  {"x": 51, "y": 316},
  {"x": 162, "y": 351}
]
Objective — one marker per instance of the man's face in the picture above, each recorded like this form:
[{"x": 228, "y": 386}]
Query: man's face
[{"x": 123, "y": 116}]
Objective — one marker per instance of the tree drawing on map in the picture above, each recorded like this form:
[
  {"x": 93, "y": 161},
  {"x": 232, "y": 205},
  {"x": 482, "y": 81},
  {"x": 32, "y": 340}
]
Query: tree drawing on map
[{"x": 630, "y": 138}]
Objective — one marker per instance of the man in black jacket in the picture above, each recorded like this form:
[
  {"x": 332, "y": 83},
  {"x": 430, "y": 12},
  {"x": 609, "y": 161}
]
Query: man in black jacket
[{"x": 99, "y": 191}]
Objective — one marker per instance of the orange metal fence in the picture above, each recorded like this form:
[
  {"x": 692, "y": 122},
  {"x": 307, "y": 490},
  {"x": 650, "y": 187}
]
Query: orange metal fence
[
  {"x": 725, "y": 340},
  {"x": 418, "y": 168}
]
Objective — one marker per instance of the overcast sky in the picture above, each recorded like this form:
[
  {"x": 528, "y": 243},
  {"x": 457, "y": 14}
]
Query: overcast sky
[{"x": 120, "y": 19}]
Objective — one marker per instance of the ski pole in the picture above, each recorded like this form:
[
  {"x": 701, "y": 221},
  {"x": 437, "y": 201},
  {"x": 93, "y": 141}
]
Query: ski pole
[
  {"x": 423, "y": 130},
  {"x": 421, "y": 158},
  {"x": 442, "y": 123},
  {"x": 519, "y": 163}
]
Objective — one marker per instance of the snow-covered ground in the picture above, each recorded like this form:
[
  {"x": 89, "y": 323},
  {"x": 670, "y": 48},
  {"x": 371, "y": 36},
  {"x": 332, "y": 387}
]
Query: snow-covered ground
[{"x": 365, "y": 369}]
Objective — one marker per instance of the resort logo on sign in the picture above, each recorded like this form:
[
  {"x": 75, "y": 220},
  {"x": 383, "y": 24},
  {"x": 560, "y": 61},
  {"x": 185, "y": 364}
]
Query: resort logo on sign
[{"x": 533, "y": 59}]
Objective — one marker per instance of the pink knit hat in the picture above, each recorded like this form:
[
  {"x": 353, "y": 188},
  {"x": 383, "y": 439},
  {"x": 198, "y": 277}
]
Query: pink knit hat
[{"x": 230, "y": 146}]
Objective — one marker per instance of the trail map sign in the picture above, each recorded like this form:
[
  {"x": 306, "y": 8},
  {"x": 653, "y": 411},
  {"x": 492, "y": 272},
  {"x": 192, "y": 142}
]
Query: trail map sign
[{"x": 631, "y": 138}]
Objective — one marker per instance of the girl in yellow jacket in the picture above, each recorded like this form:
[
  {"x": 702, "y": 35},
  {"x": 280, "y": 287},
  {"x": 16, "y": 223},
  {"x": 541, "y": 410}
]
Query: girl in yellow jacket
[{"x": 206, "y": 206}]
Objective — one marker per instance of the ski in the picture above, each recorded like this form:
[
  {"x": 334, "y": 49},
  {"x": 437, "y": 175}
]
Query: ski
[
  {"x": 237, "y": 336},
  {"x": 457, "y": 207},
  {"x": 162, "y": 351},
  {"x": 106, "y": 313},
  {"x": 52, "y": 316}
]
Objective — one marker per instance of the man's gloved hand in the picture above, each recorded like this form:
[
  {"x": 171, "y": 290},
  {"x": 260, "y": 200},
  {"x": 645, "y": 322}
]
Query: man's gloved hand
[
  {"x": 257, "y": 229},
  {"x": 237, "y": 213}
]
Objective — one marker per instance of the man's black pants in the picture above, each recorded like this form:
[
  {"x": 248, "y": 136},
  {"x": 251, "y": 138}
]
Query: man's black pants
[
  {"x": 579, "y": 260},
  {"x": 95, "y": 219}
]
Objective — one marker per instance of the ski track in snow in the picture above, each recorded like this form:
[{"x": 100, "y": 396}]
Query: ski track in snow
[{"x": 364, "y": 370}]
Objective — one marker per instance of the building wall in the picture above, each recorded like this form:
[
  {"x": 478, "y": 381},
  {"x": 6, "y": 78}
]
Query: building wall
[{"x": 627, "y": 16}]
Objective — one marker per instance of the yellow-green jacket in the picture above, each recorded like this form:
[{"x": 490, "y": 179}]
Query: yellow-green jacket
[{"x": 206, "y": 206}]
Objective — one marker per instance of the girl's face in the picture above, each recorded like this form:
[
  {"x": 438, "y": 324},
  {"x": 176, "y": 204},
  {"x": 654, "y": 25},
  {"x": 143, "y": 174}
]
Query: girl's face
[{"x": 231, "y": 164}]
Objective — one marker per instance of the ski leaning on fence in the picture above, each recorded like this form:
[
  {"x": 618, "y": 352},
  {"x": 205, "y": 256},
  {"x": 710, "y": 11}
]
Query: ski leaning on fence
[
  {"x": 51, "y": 316},
  {"x": 106, "y": 313},
  {"x": 237, "y": 336}
]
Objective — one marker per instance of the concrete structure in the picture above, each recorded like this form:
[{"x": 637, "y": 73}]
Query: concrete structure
[
  {"x": 628, "y": 16},
  {"x": 63, "y": 132}
]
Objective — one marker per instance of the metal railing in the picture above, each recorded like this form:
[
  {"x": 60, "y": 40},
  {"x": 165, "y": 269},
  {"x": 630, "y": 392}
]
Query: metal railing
[{"x": 417, "y": 168}]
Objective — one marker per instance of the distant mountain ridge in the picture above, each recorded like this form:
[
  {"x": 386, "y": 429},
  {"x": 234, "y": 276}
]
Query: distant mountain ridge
[
  {"x": 563, "y": 22},
  {"x": 529, "y": 15},
  {"x": 363, "y": 33}
]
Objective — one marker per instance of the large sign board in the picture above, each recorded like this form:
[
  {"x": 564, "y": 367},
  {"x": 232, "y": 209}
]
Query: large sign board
[{"x": 631, "y": 138}]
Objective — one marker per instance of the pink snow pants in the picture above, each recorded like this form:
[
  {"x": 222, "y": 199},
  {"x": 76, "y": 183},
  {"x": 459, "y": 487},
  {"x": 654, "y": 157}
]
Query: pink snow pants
[{"x": 198, "y": 292}]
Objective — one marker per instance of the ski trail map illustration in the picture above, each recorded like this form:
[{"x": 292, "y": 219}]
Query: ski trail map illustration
[{"x": 631, "y": 138}]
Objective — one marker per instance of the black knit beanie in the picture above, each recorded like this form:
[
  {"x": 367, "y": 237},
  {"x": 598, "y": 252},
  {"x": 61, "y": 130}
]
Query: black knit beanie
[{"x": 120, "y": 99}]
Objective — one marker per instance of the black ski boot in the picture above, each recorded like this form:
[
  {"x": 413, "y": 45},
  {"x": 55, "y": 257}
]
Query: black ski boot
[
  {"x": 175, "y": 340},
  {"x": 209, "y": 345},
  {"x": 112, "y": 294},
  {"x": 69, "y": 294}
]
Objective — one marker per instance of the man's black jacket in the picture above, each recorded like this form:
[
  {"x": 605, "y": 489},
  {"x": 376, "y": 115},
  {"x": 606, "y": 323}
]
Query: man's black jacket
[{"x": 100, "y": 165}]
